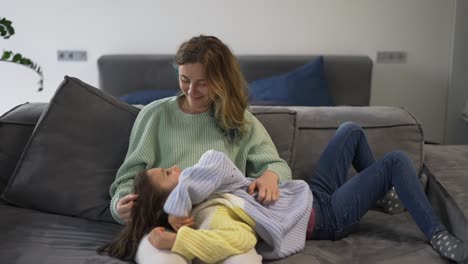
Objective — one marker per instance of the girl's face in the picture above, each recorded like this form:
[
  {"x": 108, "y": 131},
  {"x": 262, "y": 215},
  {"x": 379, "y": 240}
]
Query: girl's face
[
  {"x": 164, "y": 179},
  {"x": 193, "y": 84}
]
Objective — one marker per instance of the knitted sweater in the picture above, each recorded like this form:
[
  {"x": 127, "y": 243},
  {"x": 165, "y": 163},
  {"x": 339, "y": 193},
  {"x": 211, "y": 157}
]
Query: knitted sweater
[
  {"x": 163, "y": 135},
  {"x": 220, "y": 231},
  {"x": 282, "y": 225}
]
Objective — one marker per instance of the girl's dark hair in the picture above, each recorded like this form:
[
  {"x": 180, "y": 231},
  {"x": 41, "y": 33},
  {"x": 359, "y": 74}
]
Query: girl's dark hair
[{"x": 147, "y": 213}]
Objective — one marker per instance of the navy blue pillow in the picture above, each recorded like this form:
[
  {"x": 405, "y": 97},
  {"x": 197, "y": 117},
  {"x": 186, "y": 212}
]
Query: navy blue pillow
[
  {"x": 145, "y": 97},
  {"x": 304, "y": 86}
]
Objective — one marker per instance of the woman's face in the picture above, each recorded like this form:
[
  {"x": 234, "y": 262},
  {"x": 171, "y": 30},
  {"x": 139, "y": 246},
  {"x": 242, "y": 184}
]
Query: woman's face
[
  {"x": 193, "y": 84},
  {"x": 165, "y": 179}
]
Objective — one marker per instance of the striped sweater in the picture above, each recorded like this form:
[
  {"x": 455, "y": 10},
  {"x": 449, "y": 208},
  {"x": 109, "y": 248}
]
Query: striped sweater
[
  {"x": 282, "y": 225},
  {"x": 163, "y": 135}
]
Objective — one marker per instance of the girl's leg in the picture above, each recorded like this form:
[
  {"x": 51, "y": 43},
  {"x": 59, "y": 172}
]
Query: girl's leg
[
  {"x": 352, "y": 200},
  {"x": 146, "y": 253},
  {"x": 251, "y": 257},
  {"x": 348, "y": 146}
]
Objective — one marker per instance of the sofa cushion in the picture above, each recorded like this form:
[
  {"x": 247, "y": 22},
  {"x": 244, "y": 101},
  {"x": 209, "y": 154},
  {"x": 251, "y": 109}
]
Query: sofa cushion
[
  {"x": 283, "y": 138},
  {"x": 74, "y": 153},
  {"x": 304, "y": 86},
  {"x": 42, "y": 238},
  {"x": 387, "y": 129},
  {"x": 16, "y": 126}
]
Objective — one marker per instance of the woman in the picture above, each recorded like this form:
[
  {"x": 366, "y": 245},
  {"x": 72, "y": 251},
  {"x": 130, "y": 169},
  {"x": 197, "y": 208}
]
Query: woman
[
  {"x": 282, "y": 225},
  {"x": 211, "y": 113}
]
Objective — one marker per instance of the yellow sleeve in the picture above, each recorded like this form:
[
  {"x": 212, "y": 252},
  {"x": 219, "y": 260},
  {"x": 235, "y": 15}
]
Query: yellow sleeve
[{"x": 228, "y": 235}]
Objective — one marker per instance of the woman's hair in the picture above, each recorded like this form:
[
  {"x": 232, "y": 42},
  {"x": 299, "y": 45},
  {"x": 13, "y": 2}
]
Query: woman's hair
[
  {"x": 227, "y": 86},
  {"x": 147, "y": 213}
]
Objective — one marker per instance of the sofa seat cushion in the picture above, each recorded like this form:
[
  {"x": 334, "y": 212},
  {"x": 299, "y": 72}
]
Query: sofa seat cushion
[
  {"x": 42, "y": 238},
  {"x": 381, "y": 238},
  {"x": 29, "y": 236},
  {"x": 74, "y": 153}
]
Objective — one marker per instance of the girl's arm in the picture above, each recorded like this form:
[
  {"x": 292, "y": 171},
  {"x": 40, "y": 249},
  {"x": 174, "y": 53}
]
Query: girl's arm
[{"x": 230, "y": 233}]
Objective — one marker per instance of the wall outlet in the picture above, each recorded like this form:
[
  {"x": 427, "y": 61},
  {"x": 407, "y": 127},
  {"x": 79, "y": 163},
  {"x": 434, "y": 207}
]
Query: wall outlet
[
  {"x": 391, "y": 57},
  {"x": 72, "y": 55}
]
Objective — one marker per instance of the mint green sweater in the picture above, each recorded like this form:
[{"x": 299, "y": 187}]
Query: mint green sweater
[{"x": 163, "y": 136}]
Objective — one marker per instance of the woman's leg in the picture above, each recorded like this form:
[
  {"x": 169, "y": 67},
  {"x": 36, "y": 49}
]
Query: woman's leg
[{"x": 146, "y": 253}]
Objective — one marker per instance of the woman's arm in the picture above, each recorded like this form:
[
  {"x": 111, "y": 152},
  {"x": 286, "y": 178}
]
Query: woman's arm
[
  {"x": 264, "y": 163},
  {"x": 140, "y": 153},
  {"x": 262, "y": 155}
]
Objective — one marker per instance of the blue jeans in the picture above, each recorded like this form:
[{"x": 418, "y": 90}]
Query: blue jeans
[{"x": 340, "y": 203}]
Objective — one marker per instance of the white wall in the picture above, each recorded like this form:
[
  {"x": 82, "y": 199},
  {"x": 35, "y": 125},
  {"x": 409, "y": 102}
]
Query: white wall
[
  {"x": 456, "y": 128},
  {"x": 421, "y": 27}
]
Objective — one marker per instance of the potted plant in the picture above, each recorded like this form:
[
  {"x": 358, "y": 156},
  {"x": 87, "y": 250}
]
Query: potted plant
[{"x": 6, "y": 31}]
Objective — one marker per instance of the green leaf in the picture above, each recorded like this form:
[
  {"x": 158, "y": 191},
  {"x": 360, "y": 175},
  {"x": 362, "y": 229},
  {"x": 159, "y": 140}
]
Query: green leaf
[
  {"x": 17, "y": 57},
  {"x": 26, "y": 61},
  {"x": 6, "y": 28},
  {"x": 11, "y": 30},
  {"x": 6, "y": 55}
]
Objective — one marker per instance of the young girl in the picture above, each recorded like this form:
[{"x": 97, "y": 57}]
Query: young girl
[
  {"x": 228, "y": 217},
  {"x": 284, "y": 225}
]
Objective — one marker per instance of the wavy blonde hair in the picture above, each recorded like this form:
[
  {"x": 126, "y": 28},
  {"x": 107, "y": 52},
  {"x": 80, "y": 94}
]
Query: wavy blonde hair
[{"x": 226, "y": 84}]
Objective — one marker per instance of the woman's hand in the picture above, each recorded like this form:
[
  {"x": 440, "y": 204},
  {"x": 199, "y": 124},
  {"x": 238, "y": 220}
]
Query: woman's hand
[
  {"x": 162, "y": 239},
  {"x": 267, "y": 186},
  {"x": 178, "y": 222},
  {"x": 125, "y": 205}
]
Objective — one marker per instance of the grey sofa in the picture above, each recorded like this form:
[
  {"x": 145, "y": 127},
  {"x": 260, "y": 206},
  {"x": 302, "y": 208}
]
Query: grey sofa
[{"x": 46, "y": 215}]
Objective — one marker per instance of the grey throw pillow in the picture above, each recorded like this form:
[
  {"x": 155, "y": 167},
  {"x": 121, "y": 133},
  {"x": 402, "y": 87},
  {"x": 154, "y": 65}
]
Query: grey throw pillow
[
  {"x": 74, "y": 153},
  {"x": 16, "y": 126}
]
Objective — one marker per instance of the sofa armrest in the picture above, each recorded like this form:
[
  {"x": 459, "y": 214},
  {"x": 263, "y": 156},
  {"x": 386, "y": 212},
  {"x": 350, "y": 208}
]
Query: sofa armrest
[
  {"x": 447, "y": 168},
  {"x": 447, "y": 204},
  {"x": 16, "y": 126}
]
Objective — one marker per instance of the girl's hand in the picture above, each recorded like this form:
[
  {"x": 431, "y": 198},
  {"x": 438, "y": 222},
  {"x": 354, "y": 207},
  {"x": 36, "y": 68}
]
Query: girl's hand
[
  {"x": 162, "y": 239},
  {"x": 267, "y": 186},
  {"x": 178, "y": 222},
  {"x": 125, "y": 205}
]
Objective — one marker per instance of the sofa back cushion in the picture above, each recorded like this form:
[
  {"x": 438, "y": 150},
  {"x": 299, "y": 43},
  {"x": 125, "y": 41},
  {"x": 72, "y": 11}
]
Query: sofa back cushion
[
  {"x": 74, "y": 153},
  {"x": 16, "y": 126},
  {"x": 387, "y": 129},
  {"x": 281, "y": 125}
]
